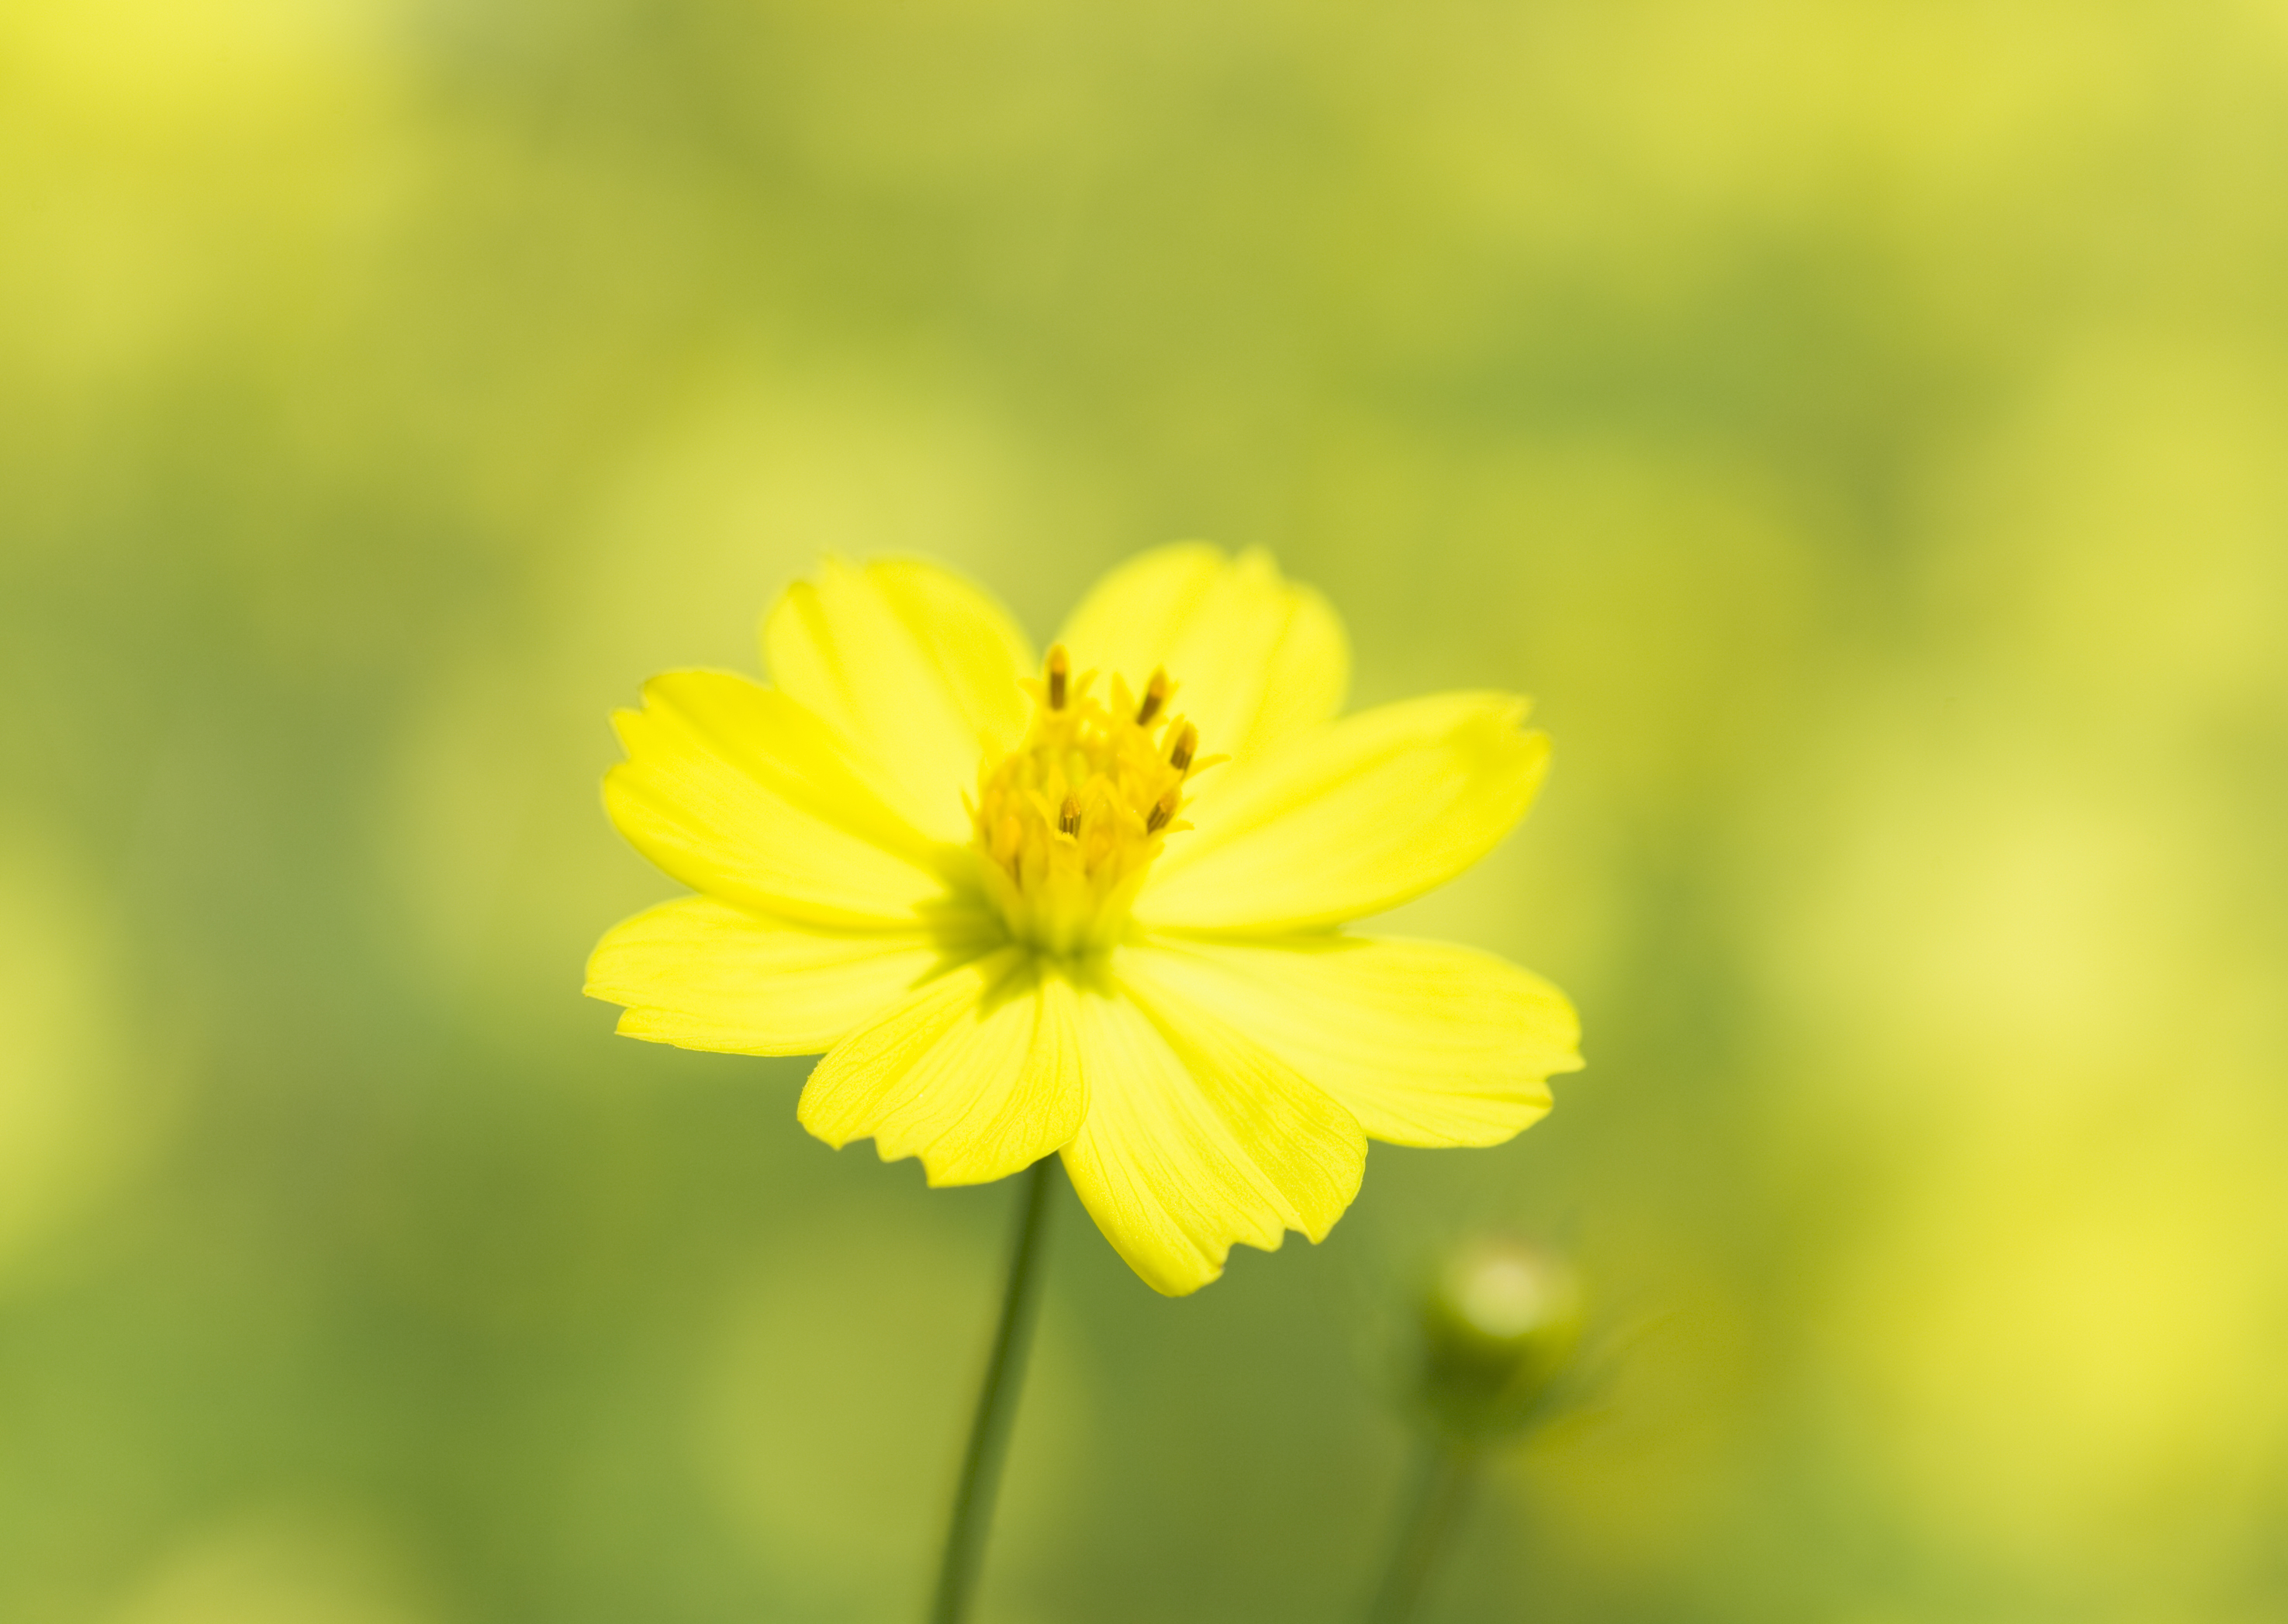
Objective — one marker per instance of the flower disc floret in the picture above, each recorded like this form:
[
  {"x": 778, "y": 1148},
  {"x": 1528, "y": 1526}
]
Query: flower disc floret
[{"x": 1068, "y": 822}]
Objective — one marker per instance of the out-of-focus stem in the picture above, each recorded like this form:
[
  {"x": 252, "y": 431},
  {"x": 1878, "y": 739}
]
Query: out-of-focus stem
[
  {"x": 996, "y": 1402},
  {"x": 1442, "y": 1491}
]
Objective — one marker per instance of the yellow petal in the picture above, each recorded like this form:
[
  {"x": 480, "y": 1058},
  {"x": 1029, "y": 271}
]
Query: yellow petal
[
  {"x": 1349, "y": 820},
  {"x": 738, "y": 791},
  {"x": 1424, "y": 1043},
  {"x": 913, "y": 663},
  {"x": 1195, "y": 1139},
  {"x": 702, "y": 974},
  {"x": 1258, "y": 656},
  {"x": 978, "y": 1073}
]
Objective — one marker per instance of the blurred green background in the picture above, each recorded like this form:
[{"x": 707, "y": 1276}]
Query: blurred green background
[{"x": 1863, "y": 425}]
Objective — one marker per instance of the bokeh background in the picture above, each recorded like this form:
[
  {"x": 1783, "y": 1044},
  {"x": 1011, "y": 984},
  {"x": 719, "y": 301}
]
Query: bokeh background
[{"x": 1864, "y": 424}]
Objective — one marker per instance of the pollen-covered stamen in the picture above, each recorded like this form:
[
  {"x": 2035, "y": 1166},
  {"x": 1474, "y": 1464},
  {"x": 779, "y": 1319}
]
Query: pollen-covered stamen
[
  {"x": 1068, "y": 822},
  {"x": 1155, "y": 694}
]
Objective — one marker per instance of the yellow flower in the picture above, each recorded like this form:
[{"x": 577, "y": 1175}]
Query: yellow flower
[{"x": 1090, "y": 905}]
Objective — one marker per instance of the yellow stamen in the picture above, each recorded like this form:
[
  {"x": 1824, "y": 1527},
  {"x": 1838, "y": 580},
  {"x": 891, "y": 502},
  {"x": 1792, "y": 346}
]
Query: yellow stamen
[
  {"x": 1155, "y": 694},
  {"x": 1067, "y": 823}
]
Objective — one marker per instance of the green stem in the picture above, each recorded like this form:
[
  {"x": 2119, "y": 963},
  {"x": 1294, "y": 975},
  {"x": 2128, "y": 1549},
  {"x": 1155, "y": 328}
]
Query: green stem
[
  {"x": 1441, "y": 1490},
  {"x": 996, "y": 1402}
]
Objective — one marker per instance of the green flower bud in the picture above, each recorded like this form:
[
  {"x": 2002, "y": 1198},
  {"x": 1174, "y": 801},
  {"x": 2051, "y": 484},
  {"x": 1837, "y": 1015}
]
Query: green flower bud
[{"x": 1499, "y": 1325}]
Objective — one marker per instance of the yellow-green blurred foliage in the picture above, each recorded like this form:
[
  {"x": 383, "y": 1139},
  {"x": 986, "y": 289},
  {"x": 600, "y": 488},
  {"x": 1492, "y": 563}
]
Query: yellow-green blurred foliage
[{"x": 1864, "y": 424}]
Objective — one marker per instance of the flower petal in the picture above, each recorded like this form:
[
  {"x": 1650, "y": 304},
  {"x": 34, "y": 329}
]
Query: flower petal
[
  {"x": 1349, "y": 820},
  {"x": 701, "y": 973},
  {"x": 1423, "y": 1042},
  {"x": 978, "y": 1073},
  {"x": 1258, "y": 657},
  {"x": 736, "y": 790},
  {"x": 912, "y": 662},
  {"x": 1196, "y": 1138}
]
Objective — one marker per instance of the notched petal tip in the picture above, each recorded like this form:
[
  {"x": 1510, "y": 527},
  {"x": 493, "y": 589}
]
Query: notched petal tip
[
  {"x": 1424, "y": 1043},
  {"x": 702, "y": 974},
  {"x": 1197, "y": 1140},
  {"x": 976, "y": 1074},
  {"x": 1180, "y": 1282},
  {"x": 740, "y": 791}
]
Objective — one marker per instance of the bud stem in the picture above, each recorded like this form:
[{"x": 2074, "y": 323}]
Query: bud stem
[
  {"x": 1443, "y": 1484},
  {"x": 996, "y": 1402}
]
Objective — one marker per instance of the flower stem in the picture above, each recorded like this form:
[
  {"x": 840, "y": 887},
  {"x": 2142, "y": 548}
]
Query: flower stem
[
  {"x": 996, "y": 1402},
  {"x": 1441, "y": 1490}
]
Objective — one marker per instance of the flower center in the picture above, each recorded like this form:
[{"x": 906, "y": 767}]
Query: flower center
[{"x": 1068, "y": 822}]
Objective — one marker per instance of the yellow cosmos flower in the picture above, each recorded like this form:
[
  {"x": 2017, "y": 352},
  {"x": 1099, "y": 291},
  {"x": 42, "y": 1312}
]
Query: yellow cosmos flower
[{"x": 1089, "y": 905}]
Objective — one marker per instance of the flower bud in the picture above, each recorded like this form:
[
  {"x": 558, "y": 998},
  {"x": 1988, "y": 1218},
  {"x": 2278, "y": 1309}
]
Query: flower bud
[{"x": 1499, "y": 1325}]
